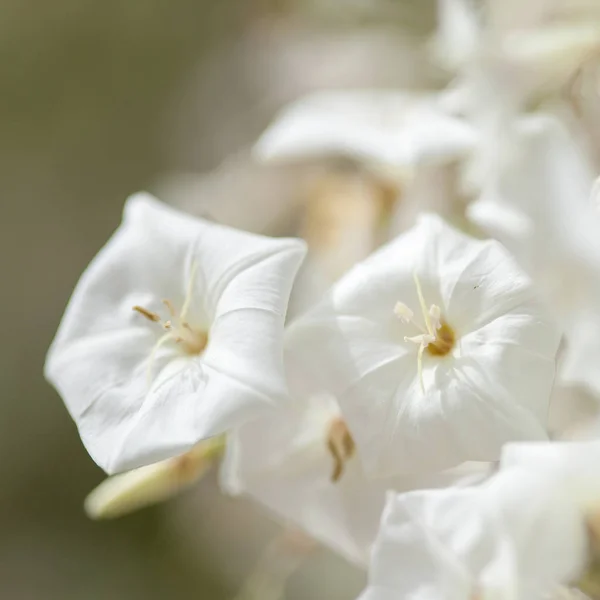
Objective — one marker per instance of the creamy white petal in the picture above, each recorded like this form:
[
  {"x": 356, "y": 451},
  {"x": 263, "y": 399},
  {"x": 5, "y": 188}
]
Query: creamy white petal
[
  {"x": 573, "y": 463},
  {"x": 514, "y": 536},
  {"x": 135, "y": 404},
  {"x": 492, "y": 388},
  {"x": 382, "y": 128},
  {"x": 555, "y": 236}
]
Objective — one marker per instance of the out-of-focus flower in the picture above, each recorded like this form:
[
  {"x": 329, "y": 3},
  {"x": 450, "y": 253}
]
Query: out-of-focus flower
[
  {"x": 126, "y": 492},
  {"x": 519, "y": 535},
  {"x": 399, "y": 146},
  {"x": 537, "y": 202},
  {"x": 301, "y": 463},
  {"x": 400, "y": 138},
  {"x": 389, "y": 131},
  {"x": 143, "y": 387},
  {"x": 519, "y": 50},
  {"x": 437, "y": 349}
]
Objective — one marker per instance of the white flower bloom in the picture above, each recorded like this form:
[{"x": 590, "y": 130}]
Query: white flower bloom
[
  {"x": 470, "y": 371},
  {"x": 545, "y": 183},
  {"x": 391, "y": 130},
  {"x": 200, "y": 352},
  {"x": 300, "y": 463},
  {"x": 514, "y": 537},
  {"x": 519, "y": 49}
]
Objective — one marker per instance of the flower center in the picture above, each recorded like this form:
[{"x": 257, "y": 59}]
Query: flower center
[
  {"x": 340, "y": 445},
  {"x": 436, "y": 338},
  {"x": 191, "y": 340}
]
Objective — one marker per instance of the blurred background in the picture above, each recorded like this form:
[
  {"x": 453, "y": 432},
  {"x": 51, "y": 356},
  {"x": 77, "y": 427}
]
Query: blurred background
[{"x": 98, "y": 100}]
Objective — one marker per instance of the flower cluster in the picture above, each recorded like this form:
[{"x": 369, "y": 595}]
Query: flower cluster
[{"x": 420, "y": 394}]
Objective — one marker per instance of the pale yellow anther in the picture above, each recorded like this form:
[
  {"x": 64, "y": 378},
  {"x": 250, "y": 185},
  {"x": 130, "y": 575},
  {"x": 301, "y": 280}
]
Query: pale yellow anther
[
  {"x": 424, "y": 339},
  {"x": 403, "y": 312},
  {"x": 423, "y": 305},
  {"x": 435, "y": 315}
]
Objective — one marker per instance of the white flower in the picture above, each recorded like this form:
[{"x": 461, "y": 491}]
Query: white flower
[
  {"x": 200, "y": 352},
  {"x": 544, "y": 182},
  {"x": 394, "y": 131},
  {"x": 471, "y": 370},
  {"x": 517, "y": 536},
  {"x": 516, "y": 49},
  {"x": 300, "y": 463}
]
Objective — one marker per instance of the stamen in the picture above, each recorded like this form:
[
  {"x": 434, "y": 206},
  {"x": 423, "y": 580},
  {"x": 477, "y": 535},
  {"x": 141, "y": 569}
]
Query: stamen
[
  {"x": 423, "y": 305},
  {"x": 438, "y": 337},
  {"x": 435, "y": 314},
  {"x": 420, "y": 366},
  {"x": 341, "y": 447},
  {"x": 190, "y": 289},
  {"x": 423, "y": 339},
  {"x": 151, "y": 316},
  {"x": 403, "y": 312},
  {"x": 192, "y": 340}
]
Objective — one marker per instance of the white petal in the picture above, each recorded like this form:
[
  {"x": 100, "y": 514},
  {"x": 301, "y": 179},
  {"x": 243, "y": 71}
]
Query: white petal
[
  {"x": 574, "y": 463},
  {"x": 493, "y": 388},
  {"x": 282, "y": 462},
  {"x": 548, "y": 184},
  {"x": 129, "y": 414},
  {"x": 451, "y": 543},
  {"x": 383, "y": 128}
]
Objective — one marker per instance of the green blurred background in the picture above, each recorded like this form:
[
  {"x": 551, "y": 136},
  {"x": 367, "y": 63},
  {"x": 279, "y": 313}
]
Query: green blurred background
[{"x": 98, "y": 100}]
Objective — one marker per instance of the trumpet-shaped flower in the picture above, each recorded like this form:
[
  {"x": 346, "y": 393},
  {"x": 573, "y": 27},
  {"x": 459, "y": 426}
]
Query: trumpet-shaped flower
[
  {"x": 545, "y": 185},
  {"x": 172, "y": 335},
  {"x": 517, "y": 536},
  {"x": 301, "y": 463},
  {"x": 437, "y": 349},
  {"x": 391, "y": 130}
]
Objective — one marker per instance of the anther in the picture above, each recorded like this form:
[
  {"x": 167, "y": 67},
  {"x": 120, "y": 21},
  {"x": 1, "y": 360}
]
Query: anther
[
  {"x": 151, "y": 316},
  {"x": 341, "y": 447}
]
